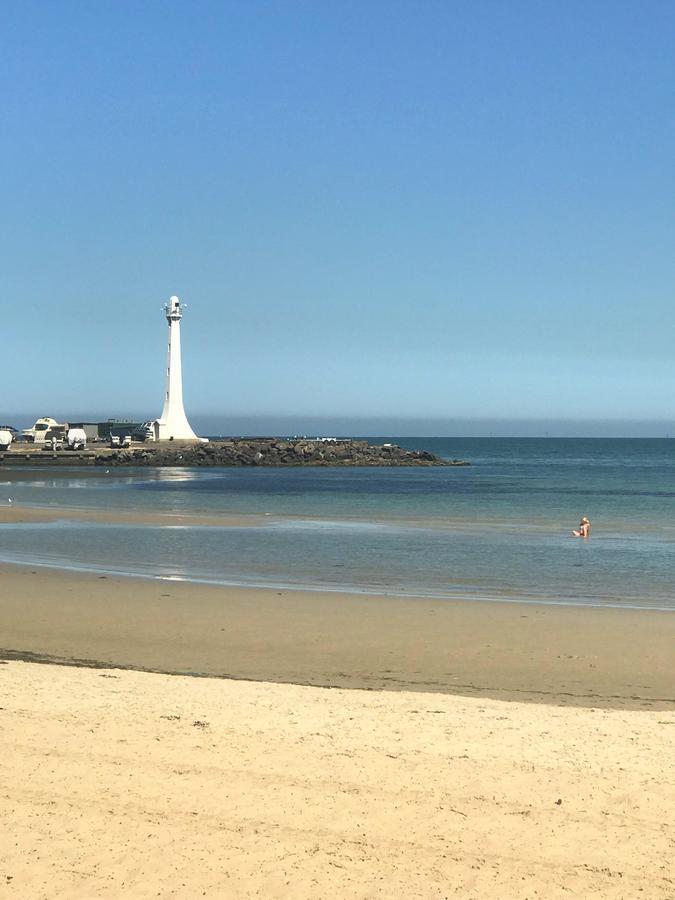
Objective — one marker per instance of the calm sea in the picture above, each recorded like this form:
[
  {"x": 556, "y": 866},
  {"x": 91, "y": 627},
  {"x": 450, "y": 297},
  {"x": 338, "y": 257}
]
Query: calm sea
[{"x": 498, "y": 530}]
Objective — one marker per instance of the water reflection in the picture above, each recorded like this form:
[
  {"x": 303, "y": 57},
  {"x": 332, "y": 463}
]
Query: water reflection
[{"x": 629, "y": 571}]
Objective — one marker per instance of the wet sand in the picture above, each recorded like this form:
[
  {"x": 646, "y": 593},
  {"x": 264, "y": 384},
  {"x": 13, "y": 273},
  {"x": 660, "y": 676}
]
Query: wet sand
[
  {"x": 546, "y": 654},
  {"x": 16, "y": 515}
]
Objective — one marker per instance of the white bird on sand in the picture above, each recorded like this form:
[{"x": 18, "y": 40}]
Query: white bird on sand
[{"x": 9, "y": 499}]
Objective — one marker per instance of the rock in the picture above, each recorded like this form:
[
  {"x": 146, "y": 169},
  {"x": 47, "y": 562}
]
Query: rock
[{"x": 272, "y": 452}]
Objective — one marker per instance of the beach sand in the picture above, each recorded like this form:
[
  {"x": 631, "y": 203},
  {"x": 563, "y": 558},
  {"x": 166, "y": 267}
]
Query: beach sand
[
  {"x": 121, "y": 783},
  {"x": 19, "y": 515},
  {"x": 551, "y": 654},
  {"x": 481, "y": 750}
]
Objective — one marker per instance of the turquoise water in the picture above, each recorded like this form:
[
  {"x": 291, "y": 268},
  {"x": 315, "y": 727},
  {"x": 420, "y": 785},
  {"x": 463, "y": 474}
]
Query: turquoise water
[{"x": 499, "y": 529}]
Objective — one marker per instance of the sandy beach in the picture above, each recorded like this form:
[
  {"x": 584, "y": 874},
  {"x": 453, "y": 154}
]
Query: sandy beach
[
  {"x": 463, "y": 749},
  {"x": 119, "y": 783}
]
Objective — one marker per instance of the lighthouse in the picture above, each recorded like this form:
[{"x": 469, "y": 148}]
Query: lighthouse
[{"x": 173, "y": 423}]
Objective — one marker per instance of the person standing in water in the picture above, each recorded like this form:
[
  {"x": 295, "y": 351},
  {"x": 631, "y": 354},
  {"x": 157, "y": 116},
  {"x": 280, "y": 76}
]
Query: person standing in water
[{"x": 584, "y": 528}]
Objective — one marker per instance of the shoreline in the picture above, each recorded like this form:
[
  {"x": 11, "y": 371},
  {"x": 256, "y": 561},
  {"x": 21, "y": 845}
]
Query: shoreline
[
  {"x": 17, "y": 514},
  {"x": 334, "y": 590},
  {"x": 559, "y": 655}
]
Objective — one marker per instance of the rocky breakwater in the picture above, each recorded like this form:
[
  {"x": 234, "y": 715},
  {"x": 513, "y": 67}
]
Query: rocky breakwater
[{"x": 273, "y": 453}]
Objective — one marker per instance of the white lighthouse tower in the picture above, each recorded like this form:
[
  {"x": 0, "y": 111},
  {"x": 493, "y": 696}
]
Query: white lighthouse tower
[{"x": 173, "y": 423}]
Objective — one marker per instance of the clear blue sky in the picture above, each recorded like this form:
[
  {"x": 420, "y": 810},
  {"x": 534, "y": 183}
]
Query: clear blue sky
[{"x": 377, "y": 211}]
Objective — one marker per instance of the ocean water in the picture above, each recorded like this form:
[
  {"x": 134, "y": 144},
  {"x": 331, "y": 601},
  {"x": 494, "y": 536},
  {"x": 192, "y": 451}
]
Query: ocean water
[{"x": 497, "y": 530}]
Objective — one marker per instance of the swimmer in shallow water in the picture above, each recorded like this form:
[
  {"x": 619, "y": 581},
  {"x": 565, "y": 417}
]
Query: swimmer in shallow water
[{"x": 584, "y": 528}]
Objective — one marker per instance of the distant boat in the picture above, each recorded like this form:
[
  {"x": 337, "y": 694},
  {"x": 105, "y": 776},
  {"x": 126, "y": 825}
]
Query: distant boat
[
  {"x": 144, "y": 432},
  {"x": 44, "y": 429}
]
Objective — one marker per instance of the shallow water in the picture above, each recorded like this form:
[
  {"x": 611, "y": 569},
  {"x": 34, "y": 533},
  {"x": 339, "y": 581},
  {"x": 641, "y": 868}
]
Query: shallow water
[{"x": 499, "y": 529}]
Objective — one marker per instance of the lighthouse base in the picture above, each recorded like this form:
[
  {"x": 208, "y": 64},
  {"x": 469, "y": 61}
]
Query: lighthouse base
[{"x": 174, "y": 430}]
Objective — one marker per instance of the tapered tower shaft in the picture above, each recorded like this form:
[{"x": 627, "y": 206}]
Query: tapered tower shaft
[{"x": 173, "y": 423}]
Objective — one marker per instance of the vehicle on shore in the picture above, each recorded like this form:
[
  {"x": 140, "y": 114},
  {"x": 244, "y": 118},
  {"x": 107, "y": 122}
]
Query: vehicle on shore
[
  {"x": 76, "y": 439},
  {"x": 54, "y": 443},
  {"x": 6, "y": 438}
]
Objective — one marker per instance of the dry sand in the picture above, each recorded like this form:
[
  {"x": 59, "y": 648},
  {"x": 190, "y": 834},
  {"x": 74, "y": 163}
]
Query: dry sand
[{"x": 129, "y": 784}]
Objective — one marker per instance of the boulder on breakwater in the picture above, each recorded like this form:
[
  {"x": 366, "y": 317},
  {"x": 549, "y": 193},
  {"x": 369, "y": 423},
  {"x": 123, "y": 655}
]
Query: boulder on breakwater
[{"x": 272, "y": 452}]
